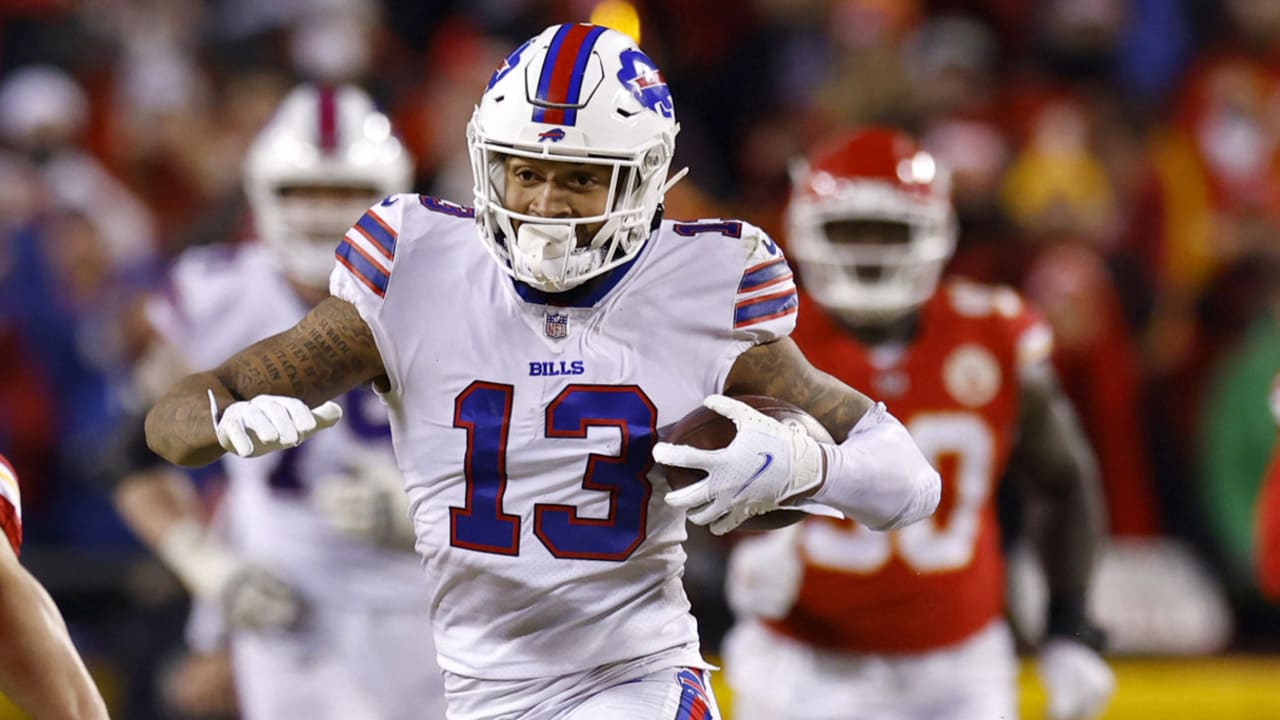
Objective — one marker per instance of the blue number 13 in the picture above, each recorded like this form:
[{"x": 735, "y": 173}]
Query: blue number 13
[{"x": 484, "y": 411}]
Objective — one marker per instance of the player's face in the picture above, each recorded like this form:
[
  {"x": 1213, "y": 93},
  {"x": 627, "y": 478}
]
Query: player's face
[
  {"x": 559, "y": 190},
  {"x": 878, "y": 233},
  {"x": 321, "y": 213}
]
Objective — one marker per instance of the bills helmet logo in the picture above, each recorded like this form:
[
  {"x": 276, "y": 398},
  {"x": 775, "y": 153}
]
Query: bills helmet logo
[
  {"x": 507, "y": 64},
  {"x": 642, "y": 78},
  {"x": 554, "y": 135}
]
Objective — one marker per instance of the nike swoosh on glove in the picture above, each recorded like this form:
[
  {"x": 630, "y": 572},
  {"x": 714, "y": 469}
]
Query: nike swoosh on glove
[
  {"x": 266, "y": 423},
  {"x": 766, "y": 463},
  {"x": 1078, "y": 681}
]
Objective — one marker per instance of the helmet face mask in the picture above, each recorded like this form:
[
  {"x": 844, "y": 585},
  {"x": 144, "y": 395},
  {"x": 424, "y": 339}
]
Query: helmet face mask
[
  {"x": 580, "y": 95},
  {"x": 325, "y": 157},
  {"x": 871, "y": 227}
]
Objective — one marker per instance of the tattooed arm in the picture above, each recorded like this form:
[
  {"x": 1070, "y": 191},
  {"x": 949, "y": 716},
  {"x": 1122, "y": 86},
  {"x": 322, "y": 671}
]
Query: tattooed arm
[
  {"x": 328, "y": 352},
  {"x": 778, "y": 369},
  {"x": 875, "y": 474}
]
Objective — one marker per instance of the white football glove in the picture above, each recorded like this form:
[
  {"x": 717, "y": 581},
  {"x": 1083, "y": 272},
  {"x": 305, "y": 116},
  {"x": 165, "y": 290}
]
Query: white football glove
[
  {"x": 1078, "y": 681},
  {"x": 368, "y": 504},
  {"x": 267, "y": 423},
  {"x": 250, "y": 596},
  {"x": 767, "y": 463},
  {"x": 764, "y": 574}
]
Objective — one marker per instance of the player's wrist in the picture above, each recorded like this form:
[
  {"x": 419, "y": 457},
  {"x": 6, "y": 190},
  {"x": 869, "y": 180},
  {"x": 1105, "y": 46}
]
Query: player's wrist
[
  {"x": 878, "y": 476},
  {"x": 203, "y": 563},
  {"x": 1067, "y": 619}
]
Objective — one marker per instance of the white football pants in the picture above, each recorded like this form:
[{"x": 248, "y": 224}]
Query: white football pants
[
  {"x": 342, "y": 665},
  {"x": 672, "y": 693},
  {"x": 775, "y": 677}
]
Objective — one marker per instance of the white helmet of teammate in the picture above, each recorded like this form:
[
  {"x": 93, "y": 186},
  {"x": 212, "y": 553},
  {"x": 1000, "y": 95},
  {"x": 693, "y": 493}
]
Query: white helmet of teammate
[
  {"x": 583, "y": 94},
  {"x": 326, "y": 155},
  {"x": 857, "y": 180}
]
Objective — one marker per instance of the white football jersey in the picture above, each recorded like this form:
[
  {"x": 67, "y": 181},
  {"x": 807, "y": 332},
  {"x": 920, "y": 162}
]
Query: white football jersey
[
  {"x": 223, "y": 299},
  {"x": 524, "y": 430}
]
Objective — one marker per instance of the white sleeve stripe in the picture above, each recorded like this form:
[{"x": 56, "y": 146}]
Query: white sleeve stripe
[
  {"x": 783, "y": 284},
  {"x": 9, "y": 486},
  {"x": 369, "y": 250}
]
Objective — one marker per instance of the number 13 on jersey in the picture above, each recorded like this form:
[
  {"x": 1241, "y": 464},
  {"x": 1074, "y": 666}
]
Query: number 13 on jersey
[{"x": 483, "y": 410}]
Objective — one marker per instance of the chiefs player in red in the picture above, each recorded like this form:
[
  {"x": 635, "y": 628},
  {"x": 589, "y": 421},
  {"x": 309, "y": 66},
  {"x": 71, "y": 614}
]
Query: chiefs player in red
[
  {"x": 838, "y": 621},
  {"x": 39, "y": 668},
  {"x": 1269, "y": 514}
]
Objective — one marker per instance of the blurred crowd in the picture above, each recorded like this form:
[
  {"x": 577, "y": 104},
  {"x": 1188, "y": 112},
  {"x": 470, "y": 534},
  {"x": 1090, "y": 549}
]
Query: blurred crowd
[{"x": 1116, "y": 160}]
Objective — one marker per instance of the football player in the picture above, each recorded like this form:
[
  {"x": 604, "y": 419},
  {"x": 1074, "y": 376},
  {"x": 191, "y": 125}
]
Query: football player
[
  {"x": 312, "y": 559},
  {"x": 1269, "y": 514},
  {"x": 40, "y": 670},
  {"x": 838, "y": 621},
  {"x": 529, "y": 348}
]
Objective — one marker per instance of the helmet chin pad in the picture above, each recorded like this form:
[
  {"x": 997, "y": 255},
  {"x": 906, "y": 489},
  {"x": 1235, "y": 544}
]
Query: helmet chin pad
[{"x": 547, "y": 257}]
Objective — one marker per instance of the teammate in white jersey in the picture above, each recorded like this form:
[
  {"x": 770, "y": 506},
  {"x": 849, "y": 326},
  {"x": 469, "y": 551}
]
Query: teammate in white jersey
[
  {"x": 312, "y": 561},
  {"x": 526, "y": 394}
]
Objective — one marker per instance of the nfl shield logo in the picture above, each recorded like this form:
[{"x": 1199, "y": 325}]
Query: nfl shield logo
[{"x": 557, "y": 325}]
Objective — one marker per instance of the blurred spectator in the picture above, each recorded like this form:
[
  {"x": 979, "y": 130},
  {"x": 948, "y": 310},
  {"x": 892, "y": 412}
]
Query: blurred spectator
[
  {"x": 43, "y": 113},
  {"x": 1062, "y": 200},
  {"x": 1237, "y": 433},
  {"x": 1100, "y": 370},
  {"x": 1268, "y": 512}
]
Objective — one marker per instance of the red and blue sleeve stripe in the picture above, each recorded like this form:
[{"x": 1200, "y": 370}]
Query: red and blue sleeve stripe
[
  {"x": 364, "y": 267},
  {"x": 560, "y": 84},
  {"x": 694, "y": 702},
  {"x": 766, "y": 274},
  {"x": 765, "y": 307},
  {"x": 379, "y": 233}
]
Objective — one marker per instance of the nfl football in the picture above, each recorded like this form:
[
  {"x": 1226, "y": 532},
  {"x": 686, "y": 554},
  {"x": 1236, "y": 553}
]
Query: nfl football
[{"x": 708, "y": 430}]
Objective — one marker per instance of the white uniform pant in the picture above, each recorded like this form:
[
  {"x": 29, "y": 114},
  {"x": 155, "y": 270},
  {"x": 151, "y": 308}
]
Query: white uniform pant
[
  {"x": 623, "y": 691},
  {"x": 775, "y": 677},
  {"x": 342, "y": 665}
]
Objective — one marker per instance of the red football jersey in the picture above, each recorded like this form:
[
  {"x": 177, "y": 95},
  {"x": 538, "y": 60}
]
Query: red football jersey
[
  {"x": 956, "y": 389},
  {"x": 10, "y": 505}
]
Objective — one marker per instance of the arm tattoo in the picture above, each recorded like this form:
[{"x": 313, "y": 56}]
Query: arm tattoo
[
  {"x": 330, "y": 351},
  {"x": 778, "y": 369}
]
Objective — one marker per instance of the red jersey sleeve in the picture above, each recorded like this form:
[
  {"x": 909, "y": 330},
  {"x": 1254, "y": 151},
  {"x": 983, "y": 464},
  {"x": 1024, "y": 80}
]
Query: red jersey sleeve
[{"x": 10, "y": 505}]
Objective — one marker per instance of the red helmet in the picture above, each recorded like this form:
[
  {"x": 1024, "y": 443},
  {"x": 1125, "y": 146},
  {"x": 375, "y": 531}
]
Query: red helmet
[{"x": 880, "y": 177}]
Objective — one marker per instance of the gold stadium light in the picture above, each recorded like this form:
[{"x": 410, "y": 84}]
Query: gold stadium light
[{"x": 618, "y": 15}]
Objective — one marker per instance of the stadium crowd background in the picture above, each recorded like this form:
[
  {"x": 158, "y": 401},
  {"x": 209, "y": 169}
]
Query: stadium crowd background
[{"x": 1116, "y": 160}]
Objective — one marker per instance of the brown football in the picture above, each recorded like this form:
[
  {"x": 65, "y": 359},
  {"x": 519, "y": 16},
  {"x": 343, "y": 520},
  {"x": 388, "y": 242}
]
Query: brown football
[{"x": 708, "y": 430}]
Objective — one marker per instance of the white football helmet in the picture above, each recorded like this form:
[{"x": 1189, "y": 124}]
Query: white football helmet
[
  {"x": 583, "y": 94},
  {"x": 873, "y": 175},
  {"x": 326, "y": 155}
]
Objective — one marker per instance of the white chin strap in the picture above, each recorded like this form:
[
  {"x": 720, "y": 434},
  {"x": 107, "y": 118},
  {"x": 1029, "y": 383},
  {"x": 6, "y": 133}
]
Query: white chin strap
[{"x": 544, "y": 257}]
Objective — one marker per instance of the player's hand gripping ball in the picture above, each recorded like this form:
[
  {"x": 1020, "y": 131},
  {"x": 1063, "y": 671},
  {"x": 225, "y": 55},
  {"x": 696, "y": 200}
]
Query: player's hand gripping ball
[{"x": 707, "y": 429}]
